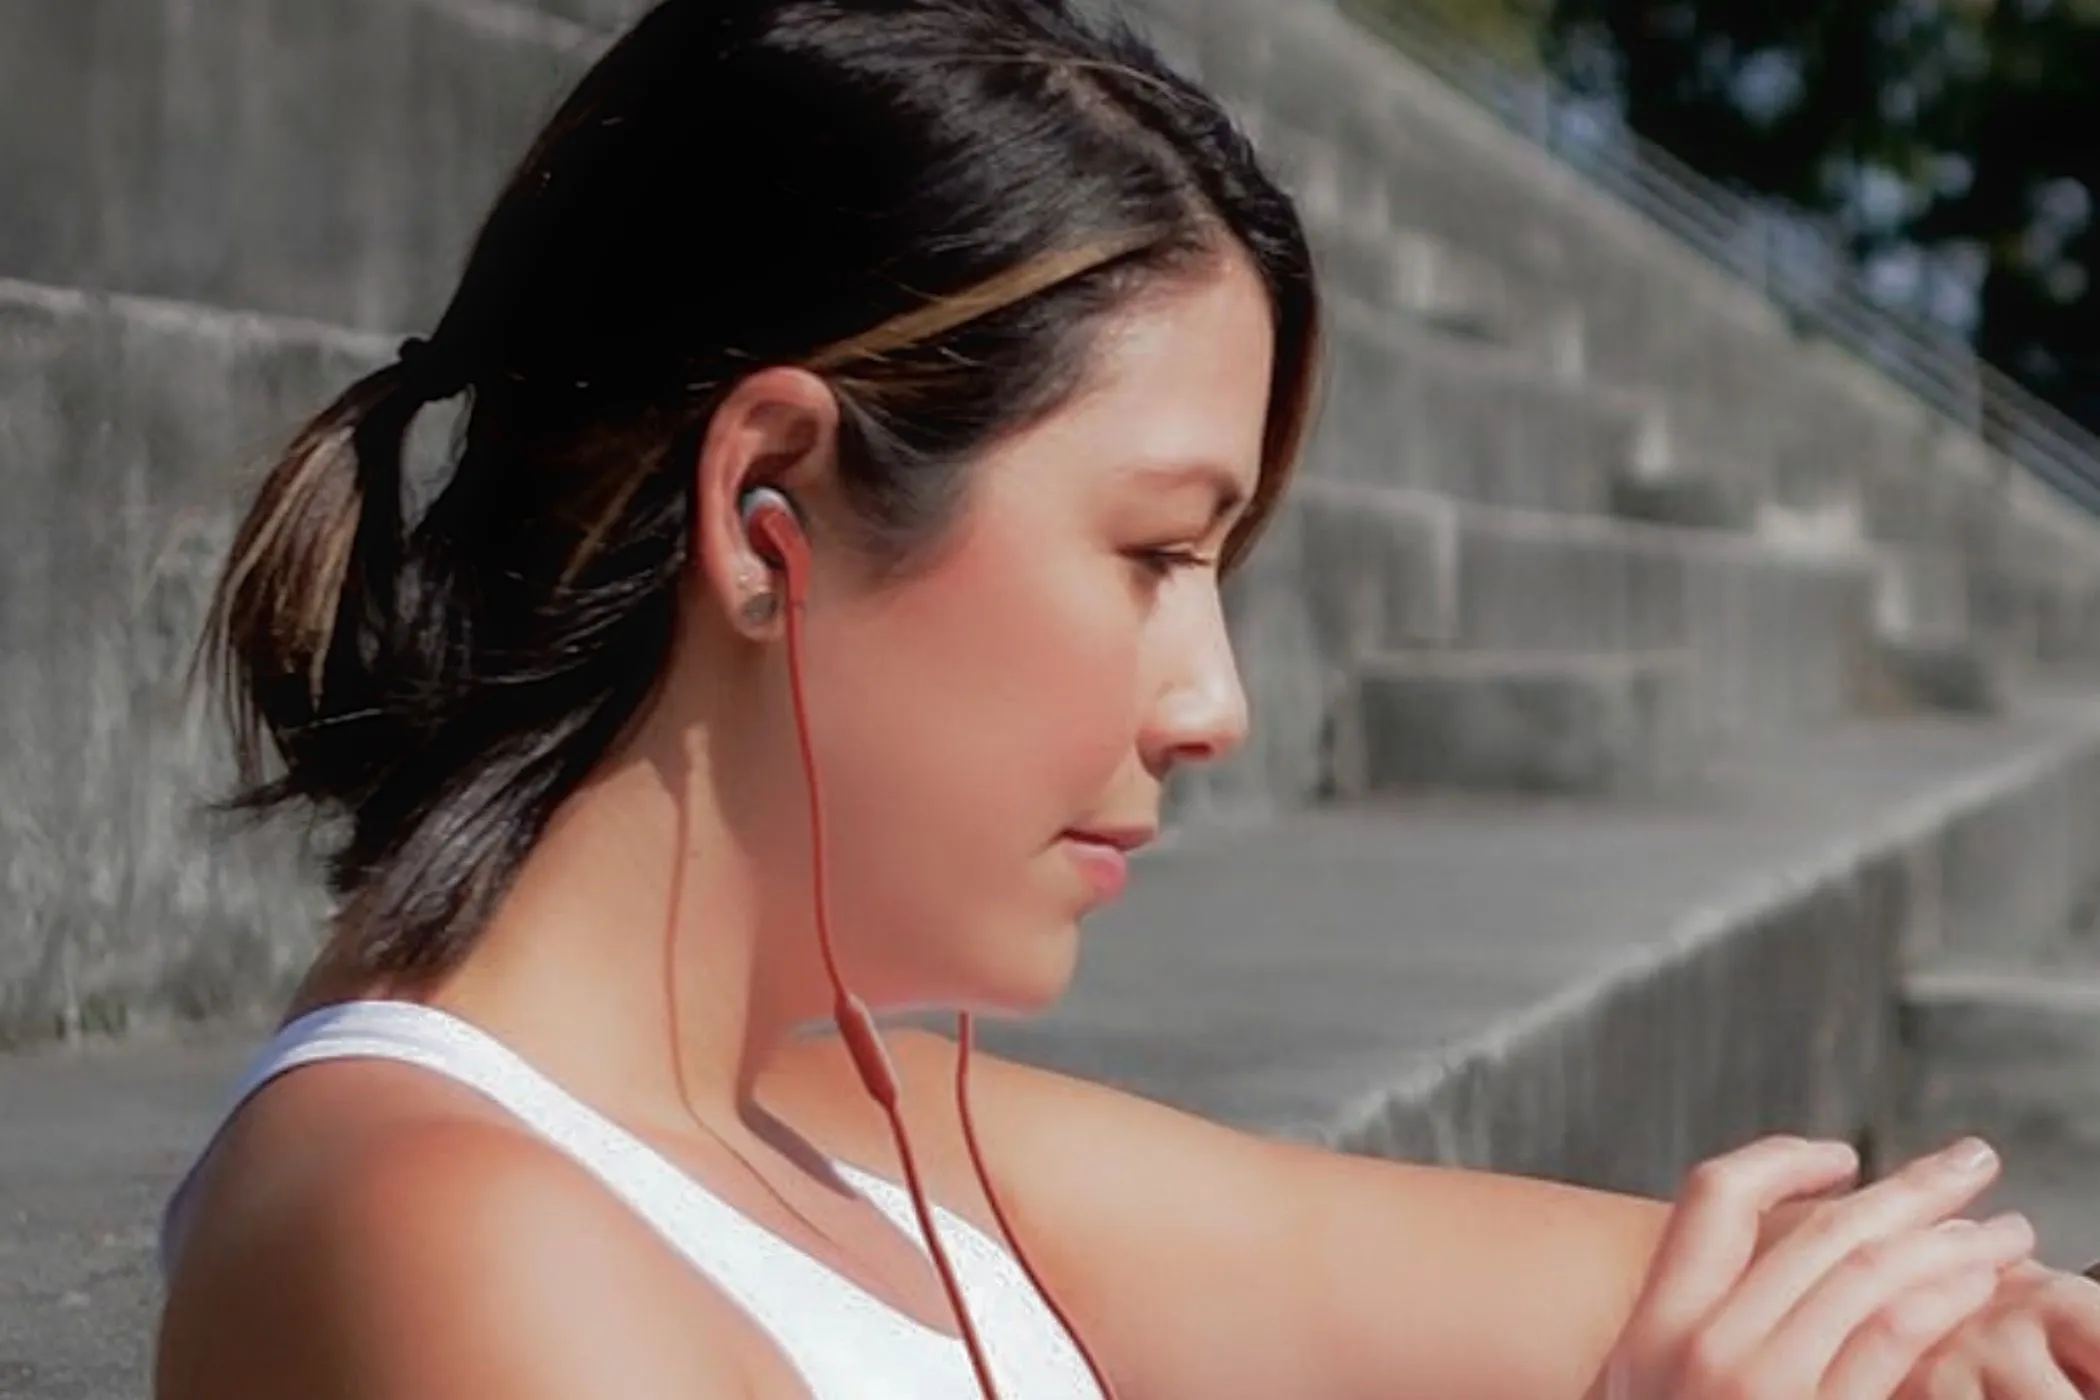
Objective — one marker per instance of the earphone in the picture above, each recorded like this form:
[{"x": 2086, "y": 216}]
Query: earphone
[{"x": 773, "y": 526}]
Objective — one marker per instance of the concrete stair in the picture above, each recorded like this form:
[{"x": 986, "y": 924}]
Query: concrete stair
[
  {"x": 1579, "y": 723},
  {"x": 1424, "y": 280},
  {"x": 1770, "y": 642},
  {"x": 1411, "y": 406},
  {"x": 2006, "y": 1051}
]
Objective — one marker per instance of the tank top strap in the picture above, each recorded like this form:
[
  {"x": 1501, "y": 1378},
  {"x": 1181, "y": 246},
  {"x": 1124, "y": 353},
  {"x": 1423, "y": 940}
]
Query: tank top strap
[
  {"x": 406, "y": 1033},
  {"x": 842, "y": 1340}
]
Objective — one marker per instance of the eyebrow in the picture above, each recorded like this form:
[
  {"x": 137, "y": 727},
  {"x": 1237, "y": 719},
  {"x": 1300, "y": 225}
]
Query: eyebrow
[{"x": 1200, "y": 471}]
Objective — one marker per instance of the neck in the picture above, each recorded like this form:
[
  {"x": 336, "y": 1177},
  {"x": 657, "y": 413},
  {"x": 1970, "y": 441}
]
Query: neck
[{"x": 627, "y": 959}]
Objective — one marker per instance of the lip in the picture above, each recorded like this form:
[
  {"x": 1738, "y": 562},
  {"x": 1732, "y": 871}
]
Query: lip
[
  {"x": 1121, "y": 838},
  {"x": 1103, "y": 856}
]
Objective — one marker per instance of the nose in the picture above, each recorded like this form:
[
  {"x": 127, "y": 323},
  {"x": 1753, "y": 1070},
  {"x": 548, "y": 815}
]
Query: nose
[{"x": 1201, "y": 713}]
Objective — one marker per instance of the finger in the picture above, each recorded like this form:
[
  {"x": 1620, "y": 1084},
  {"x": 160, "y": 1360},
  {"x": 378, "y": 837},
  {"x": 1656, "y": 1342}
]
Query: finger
[
  {"x": 1712, "y": 1235},
  {"x": 1876, "y": 1276},
  {"x": 1889, "y": 1345},
  {"x": 1951, "y": 1370},
  {"x": 2022, "y": 1367},
  {"x": 1954, "y": 1378},
  {"x": 1781, "y": 1220},
  {"x": 1924, "y": 1193},
  {"x": 2070, "y": 1312}
]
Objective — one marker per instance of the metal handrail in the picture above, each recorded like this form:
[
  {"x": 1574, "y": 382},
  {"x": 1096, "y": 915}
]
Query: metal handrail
[{"x": 1812, "y": 278}]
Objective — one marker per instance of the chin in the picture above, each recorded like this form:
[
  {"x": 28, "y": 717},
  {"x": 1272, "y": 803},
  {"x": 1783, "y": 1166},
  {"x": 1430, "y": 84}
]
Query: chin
[{"x": 1032, "y": 977}]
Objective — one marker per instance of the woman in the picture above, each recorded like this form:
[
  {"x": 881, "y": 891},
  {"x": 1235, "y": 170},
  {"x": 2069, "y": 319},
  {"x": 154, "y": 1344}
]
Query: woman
[{"x": 894, "y": 377}]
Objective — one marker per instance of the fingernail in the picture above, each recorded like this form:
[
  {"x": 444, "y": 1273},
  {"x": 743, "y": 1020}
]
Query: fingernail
[
  {"x": 2011, "y": 1225},
  {"x": 1970, "y": 1155}
]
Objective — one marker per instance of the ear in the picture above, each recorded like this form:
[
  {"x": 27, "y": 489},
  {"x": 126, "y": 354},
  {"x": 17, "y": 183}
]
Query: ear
[{"x": 778, "y": 427}]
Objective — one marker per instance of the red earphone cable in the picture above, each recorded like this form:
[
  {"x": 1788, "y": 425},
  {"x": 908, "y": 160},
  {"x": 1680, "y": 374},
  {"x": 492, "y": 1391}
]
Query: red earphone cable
[
  {"x": 964, "y": 1040},
  {"x": 856, "y": 1025}
]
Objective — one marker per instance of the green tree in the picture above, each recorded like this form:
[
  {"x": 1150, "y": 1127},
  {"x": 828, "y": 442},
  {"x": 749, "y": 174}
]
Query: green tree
[
  {"x": 2023, "y": 127},
  {"x": 1927, "y": 134}
]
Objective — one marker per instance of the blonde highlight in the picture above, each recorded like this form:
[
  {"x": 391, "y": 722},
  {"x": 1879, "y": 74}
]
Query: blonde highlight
[{"x": 996, "y": 293}]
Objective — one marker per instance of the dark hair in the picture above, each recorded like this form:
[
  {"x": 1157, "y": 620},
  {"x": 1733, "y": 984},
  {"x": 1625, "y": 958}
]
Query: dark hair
[{"x": 929, "y": 203}]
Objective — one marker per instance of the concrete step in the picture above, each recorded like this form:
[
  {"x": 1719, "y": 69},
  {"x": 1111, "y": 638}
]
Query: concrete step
[
  {"x": 1427, "y": 282},
  {"x": 1408, "y": 406},
  {"x": 2023, "y": 894},
  {"x": 1955, "y": 677},
  {"x": 1778, "y": 633},
  {"x": 2005, "y": 1050},
  {"x": 1349, "y": 571},
  {"x": 2012, "y": 1053},
  {"x": 1526, "y": 722},
  {"x": 129, "y": 430},
  {"x": 1691, "y": 499},
  {"x": 2034, "y": 583},
  {"x": 323, "y": 158}
]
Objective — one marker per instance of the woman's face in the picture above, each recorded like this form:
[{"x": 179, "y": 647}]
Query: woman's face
[{"x": 992, "y": 727}]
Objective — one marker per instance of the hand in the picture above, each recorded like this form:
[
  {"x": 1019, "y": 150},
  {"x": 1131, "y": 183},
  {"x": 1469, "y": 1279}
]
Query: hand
[
  {"x": 1844, "y": 1306},
  {"x": 2037, "y": 1339}
]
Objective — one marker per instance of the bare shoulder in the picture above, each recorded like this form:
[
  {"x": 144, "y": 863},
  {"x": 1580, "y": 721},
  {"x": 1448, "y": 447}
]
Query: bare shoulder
[
  {"x": 1168, "y": 1238},
  {"x": 1038, "y": 1127},
  {"x": 429, "y": 1249}
]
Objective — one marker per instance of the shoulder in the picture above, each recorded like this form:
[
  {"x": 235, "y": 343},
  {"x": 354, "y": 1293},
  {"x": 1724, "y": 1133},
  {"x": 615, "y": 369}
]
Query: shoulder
[
  {"x": 1170, "y": 1239},
  {"x": 433, "y": 1251},
  {"x": 1038, "y": 1127}
]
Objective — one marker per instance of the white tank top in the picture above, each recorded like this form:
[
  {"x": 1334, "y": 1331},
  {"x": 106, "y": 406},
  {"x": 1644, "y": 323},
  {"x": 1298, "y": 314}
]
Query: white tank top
[{"x": 844, "y": 1343}]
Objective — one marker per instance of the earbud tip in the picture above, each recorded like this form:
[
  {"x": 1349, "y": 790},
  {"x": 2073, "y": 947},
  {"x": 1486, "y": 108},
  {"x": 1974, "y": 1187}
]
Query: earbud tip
[{"x": 759, "y": 500}]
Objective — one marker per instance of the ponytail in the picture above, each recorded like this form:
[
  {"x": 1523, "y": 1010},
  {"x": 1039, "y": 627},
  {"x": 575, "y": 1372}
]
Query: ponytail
[{"x": 306, "y": 611}]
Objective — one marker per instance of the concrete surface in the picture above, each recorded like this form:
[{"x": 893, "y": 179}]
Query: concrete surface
[
  {"x": 93, "y": 1141},
  {"x": 115, "y": 905},
  {"x": 2013, "y": 1052},
  {"x": 1472, "y": 419},
  {"x": 1777, "y": 639},
  {"x": 1429, "y": 283},
  {"x": 324, "y": 158},
  {"x": 1527, "y": 722}
]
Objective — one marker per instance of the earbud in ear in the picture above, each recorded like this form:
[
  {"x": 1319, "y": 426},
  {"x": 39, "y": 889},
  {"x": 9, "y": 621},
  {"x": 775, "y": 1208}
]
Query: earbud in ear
[{"x": 774, "y": 529}]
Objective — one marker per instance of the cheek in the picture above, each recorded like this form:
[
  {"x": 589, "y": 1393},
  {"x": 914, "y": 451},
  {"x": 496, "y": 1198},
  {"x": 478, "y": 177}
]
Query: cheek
[{"x": 993, "y": 700}]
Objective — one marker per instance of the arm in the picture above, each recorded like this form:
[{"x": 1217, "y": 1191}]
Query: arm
[
  {"x": 1197, "y": 1259},
  {"x": 1200, "y": 1260},
  {"x": 445, "y": 1261}
]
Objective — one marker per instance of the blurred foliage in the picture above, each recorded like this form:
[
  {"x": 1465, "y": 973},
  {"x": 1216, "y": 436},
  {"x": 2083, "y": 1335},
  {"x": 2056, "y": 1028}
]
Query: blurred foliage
[
  {"x": 1943, "y": 142},
  {"x": 2027, "y": 129}
]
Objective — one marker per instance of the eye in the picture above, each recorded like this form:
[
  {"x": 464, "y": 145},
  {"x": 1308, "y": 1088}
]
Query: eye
[{"x": 1159, "y": 562}]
